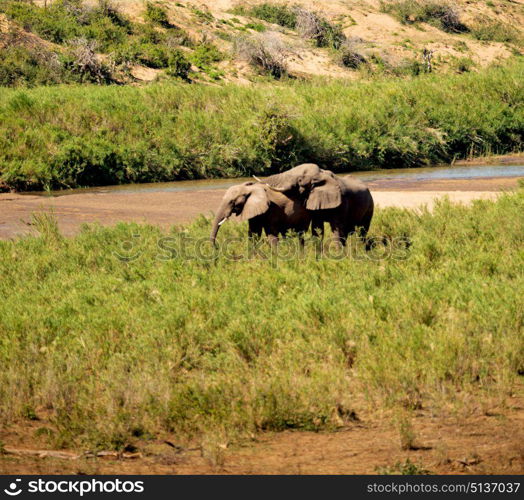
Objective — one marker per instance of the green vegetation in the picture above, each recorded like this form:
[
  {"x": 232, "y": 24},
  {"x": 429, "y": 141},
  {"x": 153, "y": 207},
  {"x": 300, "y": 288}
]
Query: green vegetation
[
  {"x": 65, "y": 20},
  {"x": 408, "y": 468},
  {"x": 157, "y": 14},
  {"x": 442, "y": 15},
  {"x": 205, "y": 55},
  {"x": 309, "y": 24},
  {"x": 85, "y": 136},
  {"x": 255, "y": 27},
  {"x": 100, "y": 29},
  {"x": 462, "y": 64},
  {"x": 274, "y": 13},
  {"x": 24, "y": 66},
  {"x": 496, "y": 31},
  {"x": 165, "y": 337}
]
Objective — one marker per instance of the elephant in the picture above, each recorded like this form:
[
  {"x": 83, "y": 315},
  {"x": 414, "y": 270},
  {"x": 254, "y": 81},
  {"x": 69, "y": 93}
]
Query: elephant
[
  {"x": 265, "y": 210},
  {"x": 344, "y": 202}
]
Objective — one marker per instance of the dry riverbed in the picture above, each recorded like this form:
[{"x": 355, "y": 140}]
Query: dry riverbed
[{"x": 166, "y": 208}]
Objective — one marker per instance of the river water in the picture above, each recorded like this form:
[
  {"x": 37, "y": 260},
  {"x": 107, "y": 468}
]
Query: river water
[{"x": 393, "y": 175}]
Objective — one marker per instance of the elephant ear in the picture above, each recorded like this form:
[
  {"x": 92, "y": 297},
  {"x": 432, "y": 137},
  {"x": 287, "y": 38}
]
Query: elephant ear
[
  {"x": 256, "y": 204},
  {"x": 325, "y": 196}
]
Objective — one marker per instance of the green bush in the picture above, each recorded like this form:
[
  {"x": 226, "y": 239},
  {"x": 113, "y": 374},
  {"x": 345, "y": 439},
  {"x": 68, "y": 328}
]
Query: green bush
[
  {"x": 351, "y": 55},
  {"x": 21, "y": 66},
  {"x": 462, "y": 64},
  {"x": 443, "y": 15},
  {"x": 153, "y": 56},
  {"x": 205, "y": 54},
  {"x": 55, "y": 24},
  {"x": 178, "y": 66},
  {"x": 273, "y": 13},
  {"x": 312, "y": 26},
  {"x": 385, "y": 123},
  {"x": 157, "y": 14},
  {"x": 256, "y": 27},
  {"x": 65, "y": 20},
  {"x": 496, "y": 31}
]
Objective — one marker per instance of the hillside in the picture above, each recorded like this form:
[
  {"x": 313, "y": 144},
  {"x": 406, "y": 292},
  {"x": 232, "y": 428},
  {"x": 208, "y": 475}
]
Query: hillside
[{"x": 133, "y": 41}]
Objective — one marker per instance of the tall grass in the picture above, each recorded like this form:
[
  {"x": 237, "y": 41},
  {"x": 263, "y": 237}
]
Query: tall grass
[
  {"x": 165, "y": 339},
  {"x": 87, "y": 135}
]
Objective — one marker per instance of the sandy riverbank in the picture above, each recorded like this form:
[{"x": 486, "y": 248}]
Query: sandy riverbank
[{"x": 168, "y": 208}]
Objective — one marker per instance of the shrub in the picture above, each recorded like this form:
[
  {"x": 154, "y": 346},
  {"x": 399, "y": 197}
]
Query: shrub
[
  {"x": 107, "y": 9},
  {"x": 310, "y": 25},
  {"x": 205, "y": 55},
  {"x": 443, "y": 15},
  {"x": 152, "y": 55},
  {"x": 65, "y": 20},
  {"x": 408, "y": 468},
  {"x": 106, "y": 34},
  {"x": 256, "y": 27},
  {"x": 55, "y": 23},
  {"x": 178, "y": 66},
  {"x": 314, "y": 27},
  {"x": 273, "y": 13},
  {"x": 29, "y": 66},
  {"x": 157, "y": 14},
  {"x": 496, "y": 31},
  {"x": 84, "y": 62},
  {"x": 265, "y": 51},
  {"x": 462, "y": 64},
  {"x": 204, "y": 16},
  {"x": 351, "y": 55}
]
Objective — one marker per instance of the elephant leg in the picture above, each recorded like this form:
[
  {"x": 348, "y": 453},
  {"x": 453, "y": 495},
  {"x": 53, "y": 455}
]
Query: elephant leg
[
  {"x": 339, "y": 234},
  {"x": 273, "y": 240},
  {"x": 254, "y": 233},
  {"x": 317, "y": 229},
  {"x": 254, "y": 229},
  {"x": 364, "y": 228},
  {"x": 301, "y": 239}
]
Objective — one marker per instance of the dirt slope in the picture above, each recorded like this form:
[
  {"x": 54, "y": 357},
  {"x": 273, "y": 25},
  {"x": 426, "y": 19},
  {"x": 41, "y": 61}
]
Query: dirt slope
[{"x": 377, "y": 34}]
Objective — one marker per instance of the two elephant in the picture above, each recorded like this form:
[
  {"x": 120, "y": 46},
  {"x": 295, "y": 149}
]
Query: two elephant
[{"x": 301, "y": 197}]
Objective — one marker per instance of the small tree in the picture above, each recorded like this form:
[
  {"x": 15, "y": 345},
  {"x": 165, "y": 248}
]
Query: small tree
[
  {"x": 85, "y": 62},
  {"x": 265, "y": 51},
  {"x": 314, "y": 27}
]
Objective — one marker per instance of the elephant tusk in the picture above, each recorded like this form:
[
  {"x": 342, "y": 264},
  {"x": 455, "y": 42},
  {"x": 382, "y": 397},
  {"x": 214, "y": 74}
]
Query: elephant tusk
[
  {"x": 273, "y": 188},
  {"x": 258, "y": 180},
  {"x": 222, "y": 221}
]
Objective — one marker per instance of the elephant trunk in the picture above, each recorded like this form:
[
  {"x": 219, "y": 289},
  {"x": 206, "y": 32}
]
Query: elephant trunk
[
  {"x": 223, "y": 213},
  {"x": 277, "y": 183}
]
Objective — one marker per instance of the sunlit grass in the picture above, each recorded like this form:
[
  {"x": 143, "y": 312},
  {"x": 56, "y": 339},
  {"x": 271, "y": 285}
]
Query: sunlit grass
[{"x": 176, "y": 339}]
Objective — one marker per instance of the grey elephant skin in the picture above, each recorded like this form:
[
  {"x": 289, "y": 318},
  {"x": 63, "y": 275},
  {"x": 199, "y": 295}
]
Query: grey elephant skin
[
  {"x": 265, "y": 209},
  {"x": 343, "y": 202}
]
